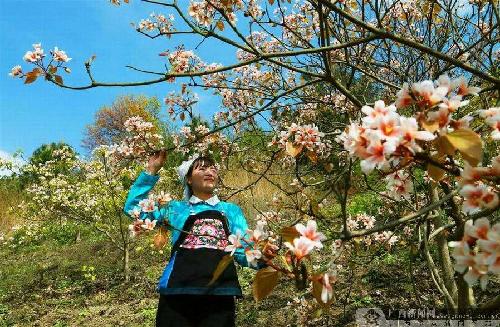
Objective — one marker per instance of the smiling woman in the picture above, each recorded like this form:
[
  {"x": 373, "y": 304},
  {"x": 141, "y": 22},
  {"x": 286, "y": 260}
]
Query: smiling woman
[{"x": 201, "y": 225}]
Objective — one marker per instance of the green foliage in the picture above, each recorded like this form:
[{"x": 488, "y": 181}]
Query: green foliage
[
  {"x": 368, "y": 203},
  {"x": 42, "y": 155}
]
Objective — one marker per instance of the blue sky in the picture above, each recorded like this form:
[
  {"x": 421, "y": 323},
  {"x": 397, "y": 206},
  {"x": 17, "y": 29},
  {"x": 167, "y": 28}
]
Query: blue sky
[{"x": 38, "y": 113}]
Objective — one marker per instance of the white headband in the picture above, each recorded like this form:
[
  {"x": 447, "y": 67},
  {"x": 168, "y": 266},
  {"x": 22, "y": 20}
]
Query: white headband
[{"x": 182, "y": 170}]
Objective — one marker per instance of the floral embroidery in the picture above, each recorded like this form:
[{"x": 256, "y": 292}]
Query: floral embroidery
[{"x": 206, "y": 233}]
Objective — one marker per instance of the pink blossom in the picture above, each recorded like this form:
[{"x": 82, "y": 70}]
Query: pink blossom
[
  {"x": 429, "y": 94},
  {"x": 453, "y": 103},
  {"x": 60, "y": 55},
  {"x": 135, "y": 213},
  {"x": 235, "y": 240},
  {"x": 410, "y": 134},
  {"x": 442, "y": 117},
  {"x": 492, "y": 118},
  {"x": 377, "y": 154},
  {"x": 327, "y": 291},
  {"x": 35, "y": 55},
  {"x": 378, "y": 110},
  {"x": 301, "y": 246},
  {"x": 148, "y": 205},
  {"x": 354, "y": 141},
  {"x": 464, "y": 89},
  {"x": 149, "y": 224},
  {"x": 16, "y": 71},
  {"x": 311, "y": 233},
  {"x": 135, "y": 228},
  {"x": 259, "y": 233},
  {"x": 404, "y": 98},
  {"x": 478, "y": 196},
  {"x": 163, "y": 198},
  {"x": 253, "y": 256},
  {"x": 387, "y": 127},
  {"x": 399, "y": 185}
]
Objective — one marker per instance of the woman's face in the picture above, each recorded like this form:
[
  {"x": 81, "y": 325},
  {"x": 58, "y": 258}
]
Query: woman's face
[{"x": 203, "y": 178}]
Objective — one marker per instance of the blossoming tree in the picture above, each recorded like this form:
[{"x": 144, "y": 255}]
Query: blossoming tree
[{"x": 393, "y": 98}]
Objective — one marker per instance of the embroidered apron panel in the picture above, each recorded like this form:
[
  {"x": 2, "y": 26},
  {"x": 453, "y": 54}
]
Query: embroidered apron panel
[
  {"x": 197, "y": 257},
  {"x": 206, "y": 233}
]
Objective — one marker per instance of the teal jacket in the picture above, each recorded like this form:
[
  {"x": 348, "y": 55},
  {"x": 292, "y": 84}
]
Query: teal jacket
[{"x": 178, "y": 211}]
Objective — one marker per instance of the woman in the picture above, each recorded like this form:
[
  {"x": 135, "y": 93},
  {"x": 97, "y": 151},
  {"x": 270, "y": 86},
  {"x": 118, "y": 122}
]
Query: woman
[{"x": 201, "y": 224}]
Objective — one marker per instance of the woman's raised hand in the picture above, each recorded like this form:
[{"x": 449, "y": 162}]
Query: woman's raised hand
[{"x": 156, "y": 161}]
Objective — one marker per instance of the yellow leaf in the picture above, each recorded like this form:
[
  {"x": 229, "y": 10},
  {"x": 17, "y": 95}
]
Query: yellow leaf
[
  {"x": 289, "y": 234},
  {"x": 444, "y": 147},
  {"x": 52, "y": 69},
  {"x": 292, "y": 149},
  {"x": 430, "y": 126},
  {"x": 328, "y": 167},
  {"x": 223, "y": 263},
  {"x": 435, "y": 172},
  {"x": 312, "y": 156},
  {"x": 265, "y": 281},
  {"x": 160, "y": 238},
  {"x": 468, "y": 143},
  {"x": 220, "y": 25}
]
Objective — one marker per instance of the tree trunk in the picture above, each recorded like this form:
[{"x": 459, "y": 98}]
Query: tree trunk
[
  {"x": 126, "y": 266},
  {"x": 445, "y": 261},
  {"x": 444, "y": 254}
]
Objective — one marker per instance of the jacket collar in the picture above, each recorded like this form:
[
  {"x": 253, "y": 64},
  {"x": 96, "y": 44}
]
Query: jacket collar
[{"x": 212, "y": 201}]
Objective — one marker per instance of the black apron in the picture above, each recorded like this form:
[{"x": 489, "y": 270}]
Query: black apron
[{"x": 193, "y": 269}]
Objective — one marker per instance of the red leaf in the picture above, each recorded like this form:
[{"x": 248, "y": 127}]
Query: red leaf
[{"x": 58, "y": 79}]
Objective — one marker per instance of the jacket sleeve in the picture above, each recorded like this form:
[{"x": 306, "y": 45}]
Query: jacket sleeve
[
  {"x": 139, "y": 191},
  {"x": 239, "y": 223}
]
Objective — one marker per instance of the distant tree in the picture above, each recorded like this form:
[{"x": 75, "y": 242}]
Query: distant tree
[
  {"x": 108, "y": 126},
  {"x": 42, "y": 155}
]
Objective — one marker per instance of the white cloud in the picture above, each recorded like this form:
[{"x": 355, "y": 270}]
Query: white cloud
[{"x": 16, "y": 161}]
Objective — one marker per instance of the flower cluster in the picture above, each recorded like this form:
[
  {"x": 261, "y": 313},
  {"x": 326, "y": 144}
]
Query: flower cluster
[
  {"x": 182, "y": 61},
  {"x": 157, "y": 22},
  {"x": 363, "y": 221},
  {"x": 492, "y": 118},
  {"x": 59, "y": 55},
  {"x": 35, "y": 57},
  {"x": 141, "y": 140},
  {"x": 301, "y": 137},
  {"x": 445, "y": 95},
  {"x": 204, "y": 11},
  {"x": 399, "y": 185},
  {"x": 478, "y": 253},
  {"x": 383, "y": 136},
  {"x": 309, "y": 239},
  {"x": 179, "y": 104},
  {"x": 144, "y": 209},
  {"x": 201, "y": 142},
  {"x": 260, "y": 243},
  {"x": 478, "y": 195}
]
